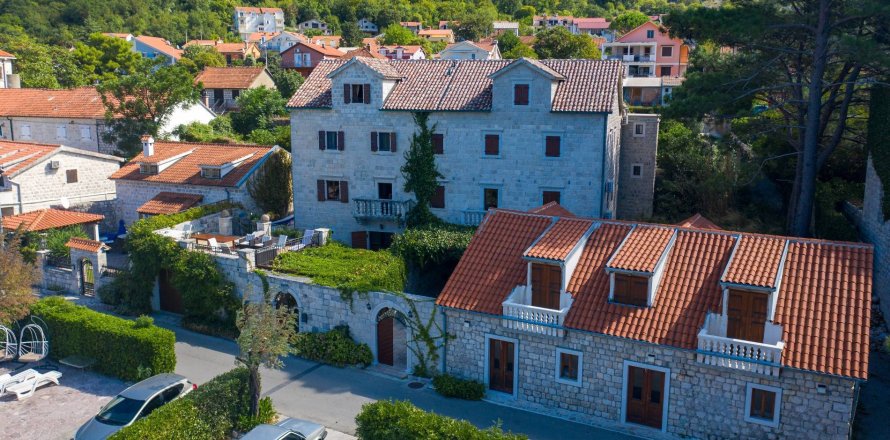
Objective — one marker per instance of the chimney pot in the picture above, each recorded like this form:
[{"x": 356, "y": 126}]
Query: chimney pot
[{"x": 148, "y": 145}]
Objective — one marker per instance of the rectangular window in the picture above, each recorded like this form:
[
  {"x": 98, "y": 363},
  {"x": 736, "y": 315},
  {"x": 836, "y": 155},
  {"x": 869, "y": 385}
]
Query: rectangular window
[
  {"x": 667, "y": 51},
  {"x": 568, "y": 366},
  {"x": 489, "y": 198},
  {"x": 551, "y": 196},
  {"x": 330, "y": 140},
  {"x": 211, "y": 173},
  {"x": 235, "y": 94},
  {"x": 383, "y": 141},
  {"x": 333, "y": 191},
  {"x": 71, "y": 176},
  {"x": 357, "y": 93},
  {"x": 298, "y": 60},
  {"x": 631, "y": 290},
  {"x": 85, "y": 133},
  {"x": 552, "y": 146},
  {"x": 438, "y": 199},
  {"x": 520, "y": 94},
  {"x": 763, "y": 404},
  {"x": 636, "y": 170},
  {"x": 664, "y": 71},
  {"x": 546, "y": 285},
  {"x": 639, "y": 130},
  {"x": 307, "y": 60},
  {"x": 438, "y": 143},
  {"x": 61, "y": 132},
  {"x": 7, "y": 211},
  {"x": 492, "y": 145},
  {"x": 650, "y": 34},
  {"x": 384, "y": 190},
  {"x": 148, "y": 169}
]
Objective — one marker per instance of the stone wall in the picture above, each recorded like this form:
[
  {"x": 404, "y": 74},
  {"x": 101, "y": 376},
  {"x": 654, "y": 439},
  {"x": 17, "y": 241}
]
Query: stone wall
[
  {"x": 703, "y": 401},
  {"x": 133, "y": 194},
  {"x": 874, "y": 227},
  {"x": 636, "y": 193},
  {"x": 84, "y": 134}
]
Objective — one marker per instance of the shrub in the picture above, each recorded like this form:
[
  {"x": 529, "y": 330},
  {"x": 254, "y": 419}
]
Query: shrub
[
  {"x": 887, "y": 344},
  {"x": 206, "y": 296},
  {"x": 450, "y": 386},
  {"x": 208, "y": 413},
  {"x": 267, "y": 414},
  {"x": 56, "y": 239},
  {"x": 143, "y": 322},
  {"x": 344, "y": 268},
  {"x": 117, "y": 345},
  {"x": 384, "y": 420},
  {"x": 335, "y": 347},
  {"x": 433, "y": 244}
]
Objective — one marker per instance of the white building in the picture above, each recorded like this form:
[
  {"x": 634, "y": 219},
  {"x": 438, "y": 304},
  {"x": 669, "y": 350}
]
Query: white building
[
  {"x": 314, "y": 24},
  {"x": 38, "y": 176},
  {"x": 6, "y": 69},
  {"x": 510, "y": 134},
  {"x": 501, "y": 27},
  {"x": 368, "y": 26},
  {"x": 284, "y": 41},
  {"x": 469, "y": 50},
  {"x": 252, "y": 19}
]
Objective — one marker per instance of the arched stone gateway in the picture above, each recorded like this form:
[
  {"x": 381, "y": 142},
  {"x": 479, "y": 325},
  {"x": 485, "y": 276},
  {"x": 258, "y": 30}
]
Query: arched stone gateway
[
  {"x": 392, "y": 338},
  {"x": 87, "y": 277},
  {"x": 287, "y": 300}
]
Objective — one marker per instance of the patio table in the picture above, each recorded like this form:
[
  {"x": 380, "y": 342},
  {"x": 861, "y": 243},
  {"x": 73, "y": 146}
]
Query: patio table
[{"x": 79, "y": 362}]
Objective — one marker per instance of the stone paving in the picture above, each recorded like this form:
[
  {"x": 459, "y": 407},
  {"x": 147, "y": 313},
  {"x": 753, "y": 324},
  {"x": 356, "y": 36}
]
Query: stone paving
[{"x": 55, "y": 412}]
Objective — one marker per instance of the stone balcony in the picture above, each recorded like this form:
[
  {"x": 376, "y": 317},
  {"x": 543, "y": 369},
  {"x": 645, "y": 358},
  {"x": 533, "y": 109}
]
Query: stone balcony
[
  {"x": 714, "y": 348},
  {"x": 381, "y": 209},
  {"x": 519, "y": 314},
  {"x": 472, "y": 217}
]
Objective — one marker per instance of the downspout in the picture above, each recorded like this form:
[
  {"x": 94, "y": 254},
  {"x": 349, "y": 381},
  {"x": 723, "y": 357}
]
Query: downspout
[
  {"x": 11, "y": 131},
  {"x": 444, "y": 344},
  {"x": 603, "y": 164},
  {"x": 19, "y": 196},
  {"x": 98, "y": 138}
]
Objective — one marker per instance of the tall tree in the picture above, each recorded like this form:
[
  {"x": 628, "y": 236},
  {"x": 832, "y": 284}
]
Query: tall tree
[
  {"x": 474, "y": 27},
  {"x": 196, "y": 57},
  {"x": 805, "y": 62},
  {"x": 396, "y": 34},
  {"x": 272, "y": 185},
  {"x": 256, "y": 109},
  {"x": 558, "y": 42},
  {"x": 628, "y": 20},
  {"x": 286, "y": 81},
  {"x": 420, "y": 171},
  {"x": 352, "y": 34},
  {"x": 16, "y": 278},
  {"x": 103, "y": 58}
]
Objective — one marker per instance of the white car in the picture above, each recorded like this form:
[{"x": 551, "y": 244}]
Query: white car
[{"x": 288, "y": 429}]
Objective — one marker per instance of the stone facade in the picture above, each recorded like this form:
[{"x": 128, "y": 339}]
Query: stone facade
[
  {"x": 636, "y": 178},
  {"x": 702, "y": 401},
  {"x": 85, "y": 134},
  {"x": 133, "y": 194},
  {"x": 874, "y": 226}
]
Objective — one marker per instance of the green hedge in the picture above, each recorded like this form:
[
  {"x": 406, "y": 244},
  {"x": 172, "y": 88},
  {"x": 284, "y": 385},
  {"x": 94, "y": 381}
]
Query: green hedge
[
  {"x": 119, "y": 348},
  {"x": 209, "y": 413},
  {"x": 344, "y": 268},
  {"x": 335, "y": 347},
  {"x": 438, "y": 244},
  {"x": 450, "y": 386},
  {"x": 385, "y": 420}
]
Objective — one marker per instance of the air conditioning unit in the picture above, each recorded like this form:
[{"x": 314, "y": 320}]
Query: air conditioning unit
[{"x": 54, "y": 164}]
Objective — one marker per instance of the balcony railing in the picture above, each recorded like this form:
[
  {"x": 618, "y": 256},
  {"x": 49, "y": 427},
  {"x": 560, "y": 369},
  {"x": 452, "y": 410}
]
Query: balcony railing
[
  {"x": 381, "y": 209},
  {"x": 520, "y": 315},
  {"x": 714, "y": 348},
  {"x": 473, "y": 217}
]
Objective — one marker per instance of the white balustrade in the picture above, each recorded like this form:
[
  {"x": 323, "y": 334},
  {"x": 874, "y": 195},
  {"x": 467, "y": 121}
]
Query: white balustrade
[
  {"x": 381, "y": 208},
  {"x": 714, "y": 348},
  {"x": 519, "y": 315},
  {"x": 473, "y": 217}
]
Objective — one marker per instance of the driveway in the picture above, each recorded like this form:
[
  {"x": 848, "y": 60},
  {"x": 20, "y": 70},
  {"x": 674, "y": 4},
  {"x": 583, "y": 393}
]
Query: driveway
[{"x": 333, "y": 396}]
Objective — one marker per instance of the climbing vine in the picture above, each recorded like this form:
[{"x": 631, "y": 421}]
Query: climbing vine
[
  {"x": 427, "y": 338},
  {"x": 420, "y": 172}
]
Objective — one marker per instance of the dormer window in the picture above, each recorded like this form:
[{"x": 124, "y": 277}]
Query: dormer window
[
  {"x": 211, "y": 173},
  {"x": 747, "y": 312},
  {"x": 546, "y": 285},
  {"x": 631, "y": 290},
  {"x": 146, "y": 168},
  {"x": 520, "y": 94},
  {"x": 357, "y": 93}
]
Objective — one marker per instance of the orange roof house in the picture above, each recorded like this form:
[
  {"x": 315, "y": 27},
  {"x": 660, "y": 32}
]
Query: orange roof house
[
  {"x": 223, "y": 85},
  {"x": 44, "y": 219}
]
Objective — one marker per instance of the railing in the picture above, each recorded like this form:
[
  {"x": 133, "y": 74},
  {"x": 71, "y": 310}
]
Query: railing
[
  {"x": 714, "y": 348},
  {"x": 380, "y": 209},
  {"x": 473, "y": 217},
  {"x": 60, "y": 261},
  {"x": 524, "y": 317}
]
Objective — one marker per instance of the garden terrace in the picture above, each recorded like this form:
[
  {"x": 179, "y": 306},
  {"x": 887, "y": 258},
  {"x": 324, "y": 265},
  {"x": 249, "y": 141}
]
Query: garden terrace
[{"x": 347, "y": 269}]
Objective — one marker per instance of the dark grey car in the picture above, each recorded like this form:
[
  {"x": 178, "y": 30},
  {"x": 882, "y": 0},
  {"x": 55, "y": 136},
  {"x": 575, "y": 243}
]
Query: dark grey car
[
  {"x": 133, "y": 404},
  {"x": 288, "y": 429}
]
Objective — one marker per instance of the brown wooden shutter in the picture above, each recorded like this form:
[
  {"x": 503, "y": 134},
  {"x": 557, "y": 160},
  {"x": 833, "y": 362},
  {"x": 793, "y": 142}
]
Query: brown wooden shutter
[
  {"x": 341, "y": 141},
  {"x": 373, "y": 141},
  {"x": 321, "y": 140},
  {"x": 438, "y": 143},
  {"x": 321, "y": 190},
  {"x": 438, "y": 199},
  {"x": 520, "y": 94},
  {"x": 347, "y": 93},
  {"x": 366, "y": 92},
  {"x": 492, "y": 144},
  {"x": 392, "y": 142},
  {"x": 344, "y": 191},
  {"x": 360, "y": 239},
  {"x": 551, "y": 148}
]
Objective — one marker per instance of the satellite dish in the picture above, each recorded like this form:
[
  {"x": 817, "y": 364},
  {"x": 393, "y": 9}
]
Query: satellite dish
[{"x": 64, "y": 202}]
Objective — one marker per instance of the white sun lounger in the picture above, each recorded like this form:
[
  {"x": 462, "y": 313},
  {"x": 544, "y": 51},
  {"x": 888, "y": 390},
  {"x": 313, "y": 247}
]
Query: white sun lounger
[
  {"x": 7, "y": 380},
  {"x": 26, "y": 389}
]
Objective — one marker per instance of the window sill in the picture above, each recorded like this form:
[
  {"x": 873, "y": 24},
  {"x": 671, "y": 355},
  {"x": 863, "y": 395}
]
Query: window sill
[
  {"x": 492, "y": 156},
  {"x": 576, "y": 383},
  {"x": 764, "y": 422}
]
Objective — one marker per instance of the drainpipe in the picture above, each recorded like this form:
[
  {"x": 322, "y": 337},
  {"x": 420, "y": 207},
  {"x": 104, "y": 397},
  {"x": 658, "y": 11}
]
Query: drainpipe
[
  {"x": 18, "y": 190},
  {"x": 98, "y": 138},
  {"x": 11, "y": 131},
  {"x": 444, "y": 345}
]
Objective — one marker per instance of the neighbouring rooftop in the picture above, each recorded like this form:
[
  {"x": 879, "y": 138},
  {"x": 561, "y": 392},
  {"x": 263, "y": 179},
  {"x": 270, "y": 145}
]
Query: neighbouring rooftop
[{"x": 43, "y": 219}]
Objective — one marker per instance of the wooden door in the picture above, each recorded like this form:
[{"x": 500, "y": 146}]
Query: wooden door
[
  {"x": 500, "y": 366},
  {"x": 747, "y": 315},
  {"x": 546, "y": 283},
  {"x": 633, "y": 290},
  {"x": 645, "y": 397},
  {"x": 171, "y": 299},
  {"x": 384, "y": 341}
]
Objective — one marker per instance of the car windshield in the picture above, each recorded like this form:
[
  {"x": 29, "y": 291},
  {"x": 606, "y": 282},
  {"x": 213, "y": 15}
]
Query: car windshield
[{"x": 119, "y": 411}]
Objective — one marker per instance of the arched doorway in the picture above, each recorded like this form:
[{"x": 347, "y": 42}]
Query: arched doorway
[
  {"x": 392, "y": 339},
  {"x": 284, "y": 299},
  {"x": 87, "y": 277}
]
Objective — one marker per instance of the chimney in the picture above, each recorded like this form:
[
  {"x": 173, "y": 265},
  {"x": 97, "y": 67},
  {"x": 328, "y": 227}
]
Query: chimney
[{"x": 148, "y": 145}]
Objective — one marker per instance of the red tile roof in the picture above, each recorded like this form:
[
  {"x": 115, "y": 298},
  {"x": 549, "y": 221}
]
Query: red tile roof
[
  {"x": 84, "y": 244},
  {"x": 642, "y": 249},
  {"x": 592, "y": 23},
  {"x": 44, "y": 219},
  {"x": 755, "y": 261},
  {"x": 464, "y": 85},
  {"x": 5, "y": 54},
  {"x": 169, "y": 203},
  {"x": 698, "y": 221},
  {"x": 161, "y": 45},
  {"x": 327, "y": 51},
  {"x": 558, "y": 241},
  {"x": 552, "y": 208},
  {"x": 18, "y": 156},
  {"x": 187, "y": 170},
  {"x": 823, "y": 301},
  {"x": 258, "y": 10},
  {"x": 363, "y": 52},
  {"x": 229, "y": 77},
  {"x": 82, "y": 102},
  {"x": 234, "y": 48}
]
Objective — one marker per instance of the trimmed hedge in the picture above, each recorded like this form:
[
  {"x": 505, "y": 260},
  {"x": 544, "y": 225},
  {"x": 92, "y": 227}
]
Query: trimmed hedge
[
  {"x": 335, "y": 347},
  {"x": 450, "y": 386},
  {"x": 385, "y": 420},
  {"x": 209, "y": 413},
  {"x": 119, "y": 347}
]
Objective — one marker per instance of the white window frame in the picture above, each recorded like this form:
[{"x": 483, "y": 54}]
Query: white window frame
[
  {"x": 307, "y": 60},
  {"x": 632, "y": 167},
  {"x": 580, "y": 355},
  {"x": 487, "y": 350},
  {"x": 777, "y": 405},
  {"x": 665, "y": 398},
  {"x": 639, "y": 124},
  {"x": 389, "y": 135},
  {"x": 85, "y": 130}
]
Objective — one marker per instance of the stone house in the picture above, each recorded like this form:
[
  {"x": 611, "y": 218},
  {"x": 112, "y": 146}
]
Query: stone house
[
  {"x": 37, "y": 176},
  {"x": 223, "y": 85},
  {"x": 649, "y": 51},
  {"x": 470, "y": 50},
  {"x": 509, "y": 134},
  {"x": 6, "y": 69},
  {"x": 399, "y": 52},
  {"x": 248, "y": 20},
  {"x": 314, "y": 25},
  {"x": 170, "y": 177},
  {"x": 304, "y": 57},
  {"x": 367, "y": 26},
  {"x": 873, "y": 222},
  {"x": 662, "y": 331},
  {"x": 437, "y": 35}
]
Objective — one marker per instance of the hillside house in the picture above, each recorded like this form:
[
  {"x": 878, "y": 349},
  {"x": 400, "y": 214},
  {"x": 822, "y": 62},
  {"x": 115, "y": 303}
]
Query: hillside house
[
  {"x": 649, "y": 51},
  {"x": 248, "y": 20},
  {"x": 223, "y": 85}
]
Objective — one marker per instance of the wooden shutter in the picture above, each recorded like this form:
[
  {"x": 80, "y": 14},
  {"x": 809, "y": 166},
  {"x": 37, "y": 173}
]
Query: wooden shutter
[
  {"x": 344, "y": 191},
  {"x": 347, "y": 94},
  {"x": 321, "y": 140},
  {"x": 631, "y": 290},
  {"x": 438, "y": 199},
  {"x": 438, "y": 143},
  {"x": 322, "y": 196},
  {"x": 546, "y": 283},
  {"x": 360, "y": 239},
  {"x": 492, "y": 144},
  {"x": 341, "y": 144},
  {"x": 71, "y": 176},
  {"x": 552, "y": 145},
  {"x": 520, "y": 94},
  {"x": 373, "y": 141},
  {"x": 392, "y": 142},
  {"x": 366, "y": 93}
]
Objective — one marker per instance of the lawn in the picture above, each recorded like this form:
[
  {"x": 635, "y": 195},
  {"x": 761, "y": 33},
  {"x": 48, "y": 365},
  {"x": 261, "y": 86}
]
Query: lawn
[{"x": 344, "y": 268}]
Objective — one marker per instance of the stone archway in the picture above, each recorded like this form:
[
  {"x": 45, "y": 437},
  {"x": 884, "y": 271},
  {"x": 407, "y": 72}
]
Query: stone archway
[
  {"x": 87, "y": 277},
  {"x": 392, "y": 338},
  {"x": 289, "y": 301}
]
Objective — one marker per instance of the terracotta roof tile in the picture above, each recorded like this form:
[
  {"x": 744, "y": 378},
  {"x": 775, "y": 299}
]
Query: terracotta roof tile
[
  {"x": 560, "y": 239},
  {"x": 258, "y": 10},
  {"x": 642, "y": 249},
  {"x": 169, "y": 203},
  {"x": 18, "y": 156},
  {"x": 82, "y": 102},
  {"x": 84, "y": 244},
  {"x": 330, "y": 52},
  {"x": 363, "y": 52},
  {"x": 552, "y": 208},
  {"x": 161, "y": 45},
  {"x": 5, "y": 54},
  {"x": 755, "y": 261},
  {"x": 228, "y": 77},
  {"x": 233, "y": 48},
  {"x": 187, "y": 170},
  {"x": 698, "y": 221},
  {"x": 44, "y": 219}
]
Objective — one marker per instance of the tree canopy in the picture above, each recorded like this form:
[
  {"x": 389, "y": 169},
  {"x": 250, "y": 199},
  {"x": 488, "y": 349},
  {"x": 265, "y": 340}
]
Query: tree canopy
[
  {"x": 103, "y": 58},
  {"x": 558, "y": 42},
  {"x": 256, "y": 109},
  {"x": 629, "y": 20}
]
